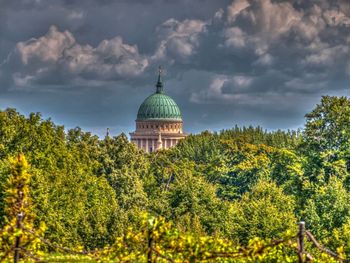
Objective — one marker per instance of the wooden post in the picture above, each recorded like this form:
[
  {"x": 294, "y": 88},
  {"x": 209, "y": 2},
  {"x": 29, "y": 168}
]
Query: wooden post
[
  {"x": 301, "y": 235},
  {"x": 149, "y": 245},
  {"x": 18, "y": 238}
]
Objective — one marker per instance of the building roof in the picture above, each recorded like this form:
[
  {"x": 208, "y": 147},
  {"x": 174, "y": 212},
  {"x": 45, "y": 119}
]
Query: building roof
[{"x": 159, "y": 106}]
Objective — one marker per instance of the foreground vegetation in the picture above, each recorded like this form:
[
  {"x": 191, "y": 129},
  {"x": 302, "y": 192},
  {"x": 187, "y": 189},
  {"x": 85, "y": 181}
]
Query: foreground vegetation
[{"x": 236, "y": 191}]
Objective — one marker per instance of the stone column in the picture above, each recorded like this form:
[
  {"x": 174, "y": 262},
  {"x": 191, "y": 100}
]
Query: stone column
[{"x": 159, "y": 142}]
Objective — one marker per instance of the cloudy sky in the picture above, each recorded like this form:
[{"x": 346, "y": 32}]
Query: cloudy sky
[{"x": 91, "y": 63}]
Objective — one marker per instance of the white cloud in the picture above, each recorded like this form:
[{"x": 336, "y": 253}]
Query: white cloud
[
  {"x": 22, "y": 81},
  {"x": 247, "y": 91},
  {"x": 75, "y": 15},
  {"x": 336, "y": 18},
  {"x": 235, "y": 37},
  {"x": 47, "y": 48},
  {"x": 235, "y": 9},
  {"x": 248, "y": 37},
  {"x": 305, "y": 85},
  {"x": 264, "y": 60},
  {"x": 272, "y": 31},
  {"x": 111, "y": 59},
  {"x": 275, "y": 19},
  {"x": 215, "y": 92},
  {"x": 265, "y": 19},
  {"x": 327, "y": 56},
  {"x": 219, "y": 14},
  {"x": 242, "y": 81},
  {"x": 263, "y": 23},
  {"x": 179, "y": 39},
  {"x": 311, "y": 24}
]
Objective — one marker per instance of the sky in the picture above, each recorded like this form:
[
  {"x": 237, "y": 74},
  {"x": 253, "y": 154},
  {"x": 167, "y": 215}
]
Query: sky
[{"x": 91, "y": 63}]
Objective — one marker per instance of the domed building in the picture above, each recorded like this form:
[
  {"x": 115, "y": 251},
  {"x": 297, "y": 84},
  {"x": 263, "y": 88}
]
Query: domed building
[{"x": 159, "y": 122}]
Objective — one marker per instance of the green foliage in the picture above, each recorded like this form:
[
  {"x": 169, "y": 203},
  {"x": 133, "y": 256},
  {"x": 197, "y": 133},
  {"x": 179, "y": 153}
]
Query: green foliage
[
  {"x": 17, "y": 210},
  {"x": 256, "y": 135},
  {"x": 124, "y": 167},
  {"x": 327, "y": 126},
  {"x": 237, "y": 166},
  {"x": 264, "y": 212},
  {"x": 160, "y": 241},
  {"x": 326, "y": 139},
  {"x": 233, "y": 191},
  {"x": 328, "y": 208},
  {"x": 194, "y": 206},
  {"x": 156, "y": 241},
  {"x": 78, "y": 209}
]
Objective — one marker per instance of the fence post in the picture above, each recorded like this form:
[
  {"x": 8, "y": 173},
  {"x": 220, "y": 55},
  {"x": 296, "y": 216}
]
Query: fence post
[
  {"x": 301, "y": 235},
  {"x": 18, "y": 238},
  {"x": 149, "y": 245}
]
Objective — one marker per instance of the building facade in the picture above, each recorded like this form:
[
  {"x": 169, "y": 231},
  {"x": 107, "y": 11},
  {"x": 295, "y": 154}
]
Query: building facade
[{"x": 159, "y": 122}]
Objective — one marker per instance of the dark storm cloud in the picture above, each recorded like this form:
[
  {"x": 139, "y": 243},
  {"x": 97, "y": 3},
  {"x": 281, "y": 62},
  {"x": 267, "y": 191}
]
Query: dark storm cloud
[{"x": 91, "y": 63}]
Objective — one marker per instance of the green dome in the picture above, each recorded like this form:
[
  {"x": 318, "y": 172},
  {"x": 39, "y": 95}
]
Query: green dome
[{"x": 159, "y": 106}]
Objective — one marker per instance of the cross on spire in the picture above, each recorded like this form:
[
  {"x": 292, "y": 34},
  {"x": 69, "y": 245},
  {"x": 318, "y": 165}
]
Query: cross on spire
[{"x": 159, "y": 84}]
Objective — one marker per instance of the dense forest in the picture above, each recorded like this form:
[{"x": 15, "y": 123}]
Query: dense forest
[{"x": 236, "y": 185}]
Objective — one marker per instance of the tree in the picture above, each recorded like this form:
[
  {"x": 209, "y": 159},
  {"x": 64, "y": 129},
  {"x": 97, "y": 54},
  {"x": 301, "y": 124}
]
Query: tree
[
  {"x": 78, "y": 208},
  {"x": 328, "y": 208},
  {"x": 328, "y": 125},
  {"x": 126, "y": 169},
  {"x": 194, "y": 206},
  {"x": 327, "y": 138},
  {"x": 264, "y": 212}
]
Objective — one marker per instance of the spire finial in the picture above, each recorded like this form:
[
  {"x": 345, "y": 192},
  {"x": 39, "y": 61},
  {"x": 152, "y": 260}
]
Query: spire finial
[{"x": 159, "y": 84}]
